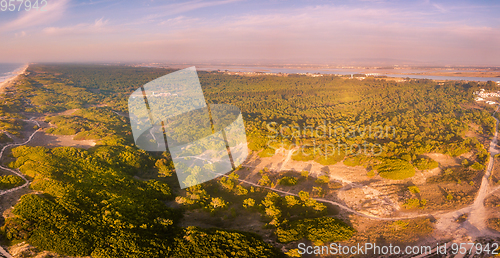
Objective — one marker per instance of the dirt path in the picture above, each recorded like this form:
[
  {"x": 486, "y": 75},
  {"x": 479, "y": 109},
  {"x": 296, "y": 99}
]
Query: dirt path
[
  {"x": 331, "y": 202},
  {"x": 473, "y": 227},
  {"x": 26, "y": 182},
  {"x": 288, "y": 157}
]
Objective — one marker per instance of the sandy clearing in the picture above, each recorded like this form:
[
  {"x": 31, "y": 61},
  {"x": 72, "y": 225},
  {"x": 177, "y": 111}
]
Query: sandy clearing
[
  {"x": 51, "y": 141},
  {"x": 448, "y": 161}
]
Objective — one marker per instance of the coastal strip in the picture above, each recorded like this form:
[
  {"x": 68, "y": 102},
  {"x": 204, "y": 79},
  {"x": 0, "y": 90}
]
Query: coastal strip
[{"x": 13, "y": 78}]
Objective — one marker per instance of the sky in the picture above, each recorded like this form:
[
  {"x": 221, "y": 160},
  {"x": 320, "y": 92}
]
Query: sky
[{"x": 426, "y": 32}]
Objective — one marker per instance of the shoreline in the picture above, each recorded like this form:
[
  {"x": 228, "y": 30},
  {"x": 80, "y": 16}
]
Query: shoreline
[
  {"x": 10, "y": 80},
  {"x": 458, "y": 74}
]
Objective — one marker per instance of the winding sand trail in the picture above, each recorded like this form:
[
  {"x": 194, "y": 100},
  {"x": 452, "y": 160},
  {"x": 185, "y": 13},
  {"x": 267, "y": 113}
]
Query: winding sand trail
[
  {"x": 3, "y": 252},
  {"x": 446, "y": 225},
  {"x": 475, "y": 226}
]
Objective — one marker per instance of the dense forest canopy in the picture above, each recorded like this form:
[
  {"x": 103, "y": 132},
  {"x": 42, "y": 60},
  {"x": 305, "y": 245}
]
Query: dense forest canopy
[{"x": 97, "y": 201}]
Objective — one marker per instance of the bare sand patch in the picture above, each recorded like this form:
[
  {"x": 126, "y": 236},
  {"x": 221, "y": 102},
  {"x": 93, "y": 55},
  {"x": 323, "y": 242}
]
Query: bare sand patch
[
  {"x": 371, "y": 195},
  {"x": 63, "y": 113},
  {"x": 448, "y": 161},
  {"x": 51, "y": 141},
  {"x": 420, "y": 176}
]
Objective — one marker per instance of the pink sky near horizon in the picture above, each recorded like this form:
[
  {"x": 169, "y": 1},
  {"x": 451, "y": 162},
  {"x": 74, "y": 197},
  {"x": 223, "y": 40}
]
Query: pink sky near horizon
[{"x": 221, "y": 31}]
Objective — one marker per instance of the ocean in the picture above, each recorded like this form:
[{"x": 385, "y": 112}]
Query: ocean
[
  {"x": 9, "y": 70},
  {"x": 349, "y": 71}
]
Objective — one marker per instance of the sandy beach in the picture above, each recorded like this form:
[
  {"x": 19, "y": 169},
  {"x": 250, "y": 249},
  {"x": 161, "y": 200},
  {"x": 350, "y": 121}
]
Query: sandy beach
[{"x": 11, "y": 79}]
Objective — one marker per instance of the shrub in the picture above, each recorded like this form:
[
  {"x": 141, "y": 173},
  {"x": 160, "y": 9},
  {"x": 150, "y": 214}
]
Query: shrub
[
  {"x": 318, "y": 230},
  {"x": 395, "y": 169},
  {"x": 318, "y": 191},
  {"x": 326, "y": 160},
  {"x": 240, "y": 190},
  {"x": 4, "y": 138},
  {"x": 265, "y": 181},
  {"x": 267, "y": 152},
  {"x": 291, "y": 201},
  {"x": 247, "y": 203},
  {"x": 358, "y": 160},
  {"x": 293, "y": 253},
  {"x": 216, "y": 204},
  {"x": 214, "y": 242},
  {"x": 425, "y": 164},
  {"x": 414, "y": 203},
  {"x": 323, "y": 180},
  {"x": 477, "y": 166},
  {"x": 288, "y": 181},
  {"x": 10, "y": 181},
  {"x": 454, "y": 174},
  {"x": 414, "y": 189}
]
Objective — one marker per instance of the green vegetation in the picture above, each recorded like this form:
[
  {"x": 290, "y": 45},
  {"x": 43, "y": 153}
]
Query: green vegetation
[
  {"x": 10, "y": 181},
  {"x": 4, "y": 138},
  {"x": 89, "y": 197},
  {"x": 399, "y": 231},
  {"x": 288, "y": 181},
  {"x": 318, "y": 191},
  {"x": 92, "y": 206},
  {"x": 293, "y": 253},
  {"x": 425, "y": 164},
  {"x": 303, "y": 154},
  {"x": 323, "y": 179},
  {"x": 395, "y": 169},
  {"x": 198, "y": 242},
  {"x": 317, "y": 230},
  {"x": 477, "y": 166},
  {"x": 265, "y": 181},
  {"x": 93, "y": 124},
  {"x": 277, "y": 209},
  {"x": 330, "y": 159},
  {"x": 456, "y": 174},
  {"x": 414, "y": 203},
  {"x": 248, "y": 203},
  {"x": 494, "y": 223},
  {"x": 413, "y": 189},
  {"x": 422, "y": 115},
  {"x": 358, "y": 160},
  {"x": 110, "y": 200}
]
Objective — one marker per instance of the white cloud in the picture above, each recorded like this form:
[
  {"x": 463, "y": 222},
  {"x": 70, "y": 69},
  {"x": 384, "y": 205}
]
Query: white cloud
[
  {"x": 54, "y": 11},
  {"x": 440, "y": 8},
  {"x": 325, "y": 32},
  {"x": 99, "y": 26},
  {"x": 20, "y": 34}
]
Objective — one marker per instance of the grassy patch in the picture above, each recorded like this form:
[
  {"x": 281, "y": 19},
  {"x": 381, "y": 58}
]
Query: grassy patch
[
  {"x": 395, "y": 169},
  {"x": 317, "y": 230},
  {"x": 288, "y": 181},
  {"x": 455, "y": 174},
  {"x": 425, "y": 164}
]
